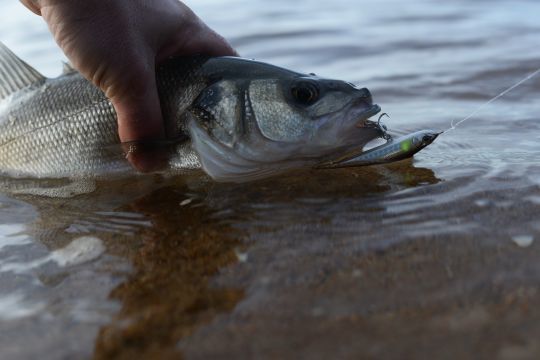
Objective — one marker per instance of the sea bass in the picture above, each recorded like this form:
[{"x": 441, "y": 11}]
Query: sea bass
[{"x": 237, "y": 119}]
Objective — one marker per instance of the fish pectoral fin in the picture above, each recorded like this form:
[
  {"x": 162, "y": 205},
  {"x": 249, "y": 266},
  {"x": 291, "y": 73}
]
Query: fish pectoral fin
[{"x": 16, "y": 74}]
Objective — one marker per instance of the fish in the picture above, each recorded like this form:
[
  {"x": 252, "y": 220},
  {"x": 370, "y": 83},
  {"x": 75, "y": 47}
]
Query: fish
[
  {"x": 236, "y": 119},
  {"x": 392, "y": 150}
]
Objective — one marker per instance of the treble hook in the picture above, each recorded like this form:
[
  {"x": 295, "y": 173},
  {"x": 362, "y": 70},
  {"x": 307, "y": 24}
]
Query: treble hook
[{"x": 383, "y": 127}]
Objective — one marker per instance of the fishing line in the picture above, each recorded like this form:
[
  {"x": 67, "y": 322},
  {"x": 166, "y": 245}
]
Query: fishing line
[{"x": 454, "y": 125}]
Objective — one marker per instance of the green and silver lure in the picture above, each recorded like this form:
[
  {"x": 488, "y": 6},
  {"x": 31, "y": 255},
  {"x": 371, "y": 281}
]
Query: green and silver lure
[{"x": 393, "y": 150}]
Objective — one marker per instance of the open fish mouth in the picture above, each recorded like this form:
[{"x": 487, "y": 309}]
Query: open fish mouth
[
  {"x": 364, "y": 131},
  {"x": 363, "y": 118}
]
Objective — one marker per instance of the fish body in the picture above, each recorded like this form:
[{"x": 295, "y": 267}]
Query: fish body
[
  {"x": 66, "y": 127},
  {"x": 237, "y": 119}
]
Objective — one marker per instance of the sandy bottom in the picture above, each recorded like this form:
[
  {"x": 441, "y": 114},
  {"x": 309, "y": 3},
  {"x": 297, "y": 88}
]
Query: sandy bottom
[{"x": 299, "y": 267}]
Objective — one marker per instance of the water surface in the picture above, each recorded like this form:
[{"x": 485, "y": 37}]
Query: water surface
[{"x": 432, "y": 257}]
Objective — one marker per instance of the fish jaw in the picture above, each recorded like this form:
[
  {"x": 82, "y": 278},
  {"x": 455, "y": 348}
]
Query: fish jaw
[
  {"x": 355, "y": 130},
  {"x": 225, "y": 164}
]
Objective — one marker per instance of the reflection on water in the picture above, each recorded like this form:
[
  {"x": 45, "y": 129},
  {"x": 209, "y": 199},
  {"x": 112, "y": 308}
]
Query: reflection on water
[
  {"x": 170, "y": 292},
  {"x": 433, "y": 256}
]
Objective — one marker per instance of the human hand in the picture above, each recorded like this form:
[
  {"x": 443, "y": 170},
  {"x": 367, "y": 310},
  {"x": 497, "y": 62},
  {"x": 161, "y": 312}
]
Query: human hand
[{"x": 116, "y": 44}]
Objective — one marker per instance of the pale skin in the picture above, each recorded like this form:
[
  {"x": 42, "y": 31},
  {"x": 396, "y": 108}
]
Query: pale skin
[{"x": 116, "y": 44}]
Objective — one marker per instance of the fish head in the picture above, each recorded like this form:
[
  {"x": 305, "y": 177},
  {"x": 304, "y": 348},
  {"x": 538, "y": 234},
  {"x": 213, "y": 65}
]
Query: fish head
[{"x": 267, "y": 120}]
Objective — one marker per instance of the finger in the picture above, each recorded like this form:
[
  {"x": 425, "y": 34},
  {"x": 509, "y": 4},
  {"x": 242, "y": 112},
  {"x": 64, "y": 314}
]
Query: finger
[{"x": 140, "y": 119}]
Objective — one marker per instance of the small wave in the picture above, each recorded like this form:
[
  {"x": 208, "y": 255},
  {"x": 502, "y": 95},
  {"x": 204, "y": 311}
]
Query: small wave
[
  {"x": 15, "y": 306},
  {"x": 109, "y": 222}
]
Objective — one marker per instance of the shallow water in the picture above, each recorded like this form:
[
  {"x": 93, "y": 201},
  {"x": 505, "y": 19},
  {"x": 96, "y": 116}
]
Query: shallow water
[{"x": 432, "y": 257}]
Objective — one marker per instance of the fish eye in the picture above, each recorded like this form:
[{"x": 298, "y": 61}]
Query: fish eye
[
  {"x": 426, "y": 138},
  {"x": 305, "y": 92}
]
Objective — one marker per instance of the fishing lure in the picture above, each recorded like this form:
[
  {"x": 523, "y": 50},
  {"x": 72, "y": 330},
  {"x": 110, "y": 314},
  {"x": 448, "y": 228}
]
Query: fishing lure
[{"x": 393, "y": 150}]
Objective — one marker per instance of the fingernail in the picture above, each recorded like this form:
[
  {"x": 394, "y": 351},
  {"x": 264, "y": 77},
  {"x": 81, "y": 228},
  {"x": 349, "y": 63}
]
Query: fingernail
[{"x": 146, "y": 157}]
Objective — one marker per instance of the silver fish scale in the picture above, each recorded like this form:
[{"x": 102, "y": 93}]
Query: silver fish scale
[
  {"x": 58, "y": 129},
  {"x": 66, "y": 127}
]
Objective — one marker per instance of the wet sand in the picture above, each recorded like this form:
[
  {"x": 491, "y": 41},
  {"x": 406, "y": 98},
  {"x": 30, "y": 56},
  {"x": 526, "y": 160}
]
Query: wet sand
[
  {"x": 218, "y": 291},
  {"x": 219, "y": 275}
]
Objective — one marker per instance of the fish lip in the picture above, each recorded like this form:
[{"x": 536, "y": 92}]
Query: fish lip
[{"x": 366, "y": 114}]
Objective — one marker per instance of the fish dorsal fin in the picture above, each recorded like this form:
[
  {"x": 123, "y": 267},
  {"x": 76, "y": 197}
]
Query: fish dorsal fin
[
  {"x": 15, "y": 74},
  {"x": 67, "y": 68}
]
